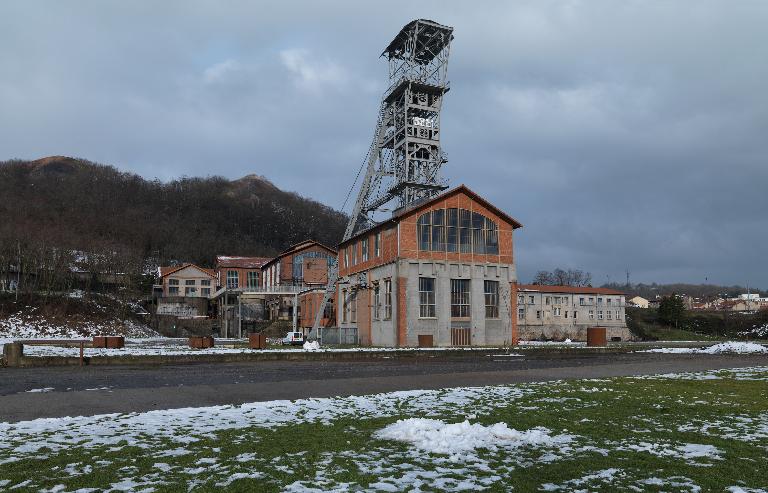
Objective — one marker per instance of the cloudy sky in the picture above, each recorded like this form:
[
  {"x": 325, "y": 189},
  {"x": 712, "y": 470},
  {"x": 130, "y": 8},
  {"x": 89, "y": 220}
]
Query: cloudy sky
[{"x": 626, "y": 135}]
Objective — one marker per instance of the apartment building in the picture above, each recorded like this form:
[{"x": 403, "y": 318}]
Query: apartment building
[{"x": 565, "y": 312}]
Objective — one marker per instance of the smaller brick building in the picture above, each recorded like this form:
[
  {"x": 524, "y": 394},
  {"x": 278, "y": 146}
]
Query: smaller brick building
[{"x": 239, "y": 272}]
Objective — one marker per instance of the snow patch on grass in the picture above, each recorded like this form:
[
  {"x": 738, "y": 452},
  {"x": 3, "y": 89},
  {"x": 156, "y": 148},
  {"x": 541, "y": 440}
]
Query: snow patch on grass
[
  {"x": 438, "y": 437},
  {"x": 724, "y": 347}
]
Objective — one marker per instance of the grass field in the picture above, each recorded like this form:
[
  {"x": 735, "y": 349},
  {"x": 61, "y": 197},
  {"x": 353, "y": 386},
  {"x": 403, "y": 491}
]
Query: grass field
[{"x": 683, "y": 432}]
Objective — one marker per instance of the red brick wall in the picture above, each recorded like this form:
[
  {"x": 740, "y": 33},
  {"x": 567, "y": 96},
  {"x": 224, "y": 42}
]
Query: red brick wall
[
  {"x": 309, "y": 303},
  {"x": 408, "y": 240},
  {"x": 409, "y": 245},
  {"x": 286, "y": 262},
  {"x": 242, "y": 276},
  {"x": 388, "y": 251}
]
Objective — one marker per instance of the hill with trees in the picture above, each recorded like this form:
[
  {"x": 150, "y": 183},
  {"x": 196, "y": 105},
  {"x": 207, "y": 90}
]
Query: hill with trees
[{"x": 60, "y": 211}]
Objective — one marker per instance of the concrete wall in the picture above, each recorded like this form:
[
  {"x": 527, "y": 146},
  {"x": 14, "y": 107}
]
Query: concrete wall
[
  {"x": 560, "y": 316},
  {"x": 181, "y": 306},
  {"x": 405, "y": 324}
]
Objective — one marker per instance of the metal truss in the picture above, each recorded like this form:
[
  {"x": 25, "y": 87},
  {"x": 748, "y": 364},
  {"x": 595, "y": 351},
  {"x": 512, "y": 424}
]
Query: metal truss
[{"x": 404, "y": 160}]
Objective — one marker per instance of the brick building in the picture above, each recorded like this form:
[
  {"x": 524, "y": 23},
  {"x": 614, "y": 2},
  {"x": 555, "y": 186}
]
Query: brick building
[
  {"x": 439, "y": 272},
  {"x": 301, "y": 267},
  {"x": 239, "y": 272},
  {"x": 565, "y": 312}
]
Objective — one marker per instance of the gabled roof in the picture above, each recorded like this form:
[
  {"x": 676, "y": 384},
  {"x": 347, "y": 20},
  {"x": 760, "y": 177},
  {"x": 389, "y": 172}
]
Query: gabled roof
[
  {"x": 305, "y": 244},
  {"x": 164, "y": 271},
  {"x": 448, "y": 193},
  {"x": 241, "y": 262},
  {"x": 540, "y": 288},
  {"x": 302, "y": 245}
]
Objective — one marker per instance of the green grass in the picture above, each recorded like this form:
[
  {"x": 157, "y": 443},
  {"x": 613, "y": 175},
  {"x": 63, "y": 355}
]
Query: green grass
[
  {"x": 670, "y": 334},
  {"x": 605, "y": 417}
]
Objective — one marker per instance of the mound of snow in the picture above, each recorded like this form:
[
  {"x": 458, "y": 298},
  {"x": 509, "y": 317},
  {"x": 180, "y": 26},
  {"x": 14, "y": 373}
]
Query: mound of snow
[
  {"x": 311, "y": 345},
  {"x": 438, "y": 437},
  {"x": 735, "y": 347},
  {"x": 723, "y": 347}
]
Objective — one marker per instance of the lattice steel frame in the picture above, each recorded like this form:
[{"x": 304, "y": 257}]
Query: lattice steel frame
[{"x": 405, "y": 157}]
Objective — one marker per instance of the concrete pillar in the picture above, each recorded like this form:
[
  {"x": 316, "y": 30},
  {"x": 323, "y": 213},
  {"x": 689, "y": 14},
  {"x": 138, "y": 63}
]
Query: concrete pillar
[{"x": 13, "y": 353}]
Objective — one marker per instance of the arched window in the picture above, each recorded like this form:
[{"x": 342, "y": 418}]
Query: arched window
[{"x": 457, "y": 230}]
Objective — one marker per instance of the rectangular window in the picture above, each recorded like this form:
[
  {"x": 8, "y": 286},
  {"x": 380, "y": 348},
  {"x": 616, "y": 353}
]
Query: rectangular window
[
  {"x": 591, "y": 300},
  {"x": 365, "y": 249},
  {"x": 452, "y": 231},
  {"x": 424, "y": 228},
  {"x": 575, "y": 313},
  {"x": 538, "y": 313},
  {"x": 232, "y": 279},
  {"x": 346, "y": 257},
  {"x": 438, "y": 230},
  {"x": 190, "y": 291},
  {"x": 599, "y": 314},
  {"x": 426, "y": 297},
  {"x": 173, "y": 290},
  {"x": 531, "y": 300},
  {"x": 189, "y": 282},
  {"x": 591, "y": 315},
  {"x": 609, "y": 314},
  {"x": 565, "y": 314},
  {"x": 581, "y": 301},
  {"x": 521, "y": 313},
  {"x": 387, "y": 299},
  {"x": 205, "y": 282},
  {"x": 353, "y": 309},
  {"x": 599, "y": 301},
  {"x": 377, "y": 244},
  {"x": 173, "y": 282},
  {"x": 460, "y": 298},
  {"x": 491, "y": 299},
  {"x": 344, "y": 306},
  {"x": 376, "y": 303},
  {"x": 520, "y": 299},
  {"x": 557, "y": 300},
  {"x": 465, "y": 231},
  {"x": 205, "y": 291},
  {"x": 354, "y": 254},
  {"x": 548, "y": 300},
  {"x": 557, "y": 312},
  {"x": 253, "y": 279},
  {"x": 618, "y": 314}
]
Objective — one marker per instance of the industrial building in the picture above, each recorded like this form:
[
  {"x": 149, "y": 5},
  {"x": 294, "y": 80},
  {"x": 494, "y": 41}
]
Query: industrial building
[{"x": 437, "y": 273}]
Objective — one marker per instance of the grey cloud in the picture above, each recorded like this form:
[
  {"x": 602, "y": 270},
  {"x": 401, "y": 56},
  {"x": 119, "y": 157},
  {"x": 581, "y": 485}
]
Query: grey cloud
[{"x": 622, "y": 134}]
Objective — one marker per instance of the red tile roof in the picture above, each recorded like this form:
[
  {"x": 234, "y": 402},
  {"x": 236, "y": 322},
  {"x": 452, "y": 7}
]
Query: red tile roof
[
  {"x": 241, "y": 262},
  {"x": 566, "y": 289},
  {"x": 164, "y": 271}
]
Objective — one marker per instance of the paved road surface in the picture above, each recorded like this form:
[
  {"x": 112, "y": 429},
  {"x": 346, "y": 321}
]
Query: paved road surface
[{"x": 97, "y": 390}]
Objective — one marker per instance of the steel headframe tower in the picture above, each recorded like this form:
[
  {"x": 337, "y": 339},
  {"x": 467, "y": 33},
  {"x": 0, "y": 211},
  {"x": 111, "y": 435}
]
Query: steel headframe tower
[{"x": 404, "y": 160}]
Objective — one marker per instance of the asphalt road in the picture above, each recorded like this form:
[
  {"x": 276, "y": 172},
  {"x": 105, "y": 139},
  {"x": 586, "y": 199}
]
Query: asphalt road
[{"x": 97, "y": 390}]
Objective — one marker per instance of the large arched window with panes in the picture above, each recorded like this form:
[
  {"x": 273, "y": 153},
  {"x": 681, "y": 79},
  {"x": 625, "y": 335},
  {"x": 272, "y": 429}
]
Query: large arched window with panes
[{"x": 457, "y": 230}]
